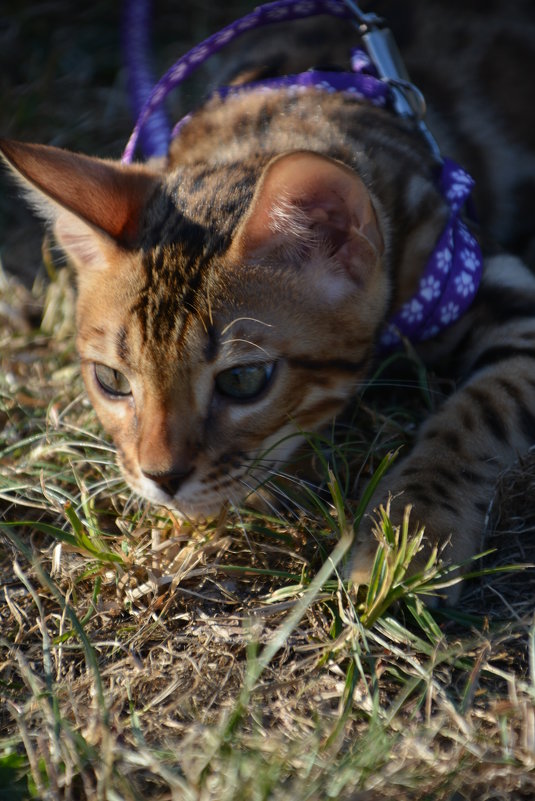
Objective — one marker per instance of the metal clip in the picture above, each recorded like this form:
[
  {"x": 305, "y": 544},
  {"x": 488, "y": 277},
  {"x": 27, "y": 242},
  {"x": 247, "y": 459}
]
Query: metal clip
[{"x": 383, "y": 51}]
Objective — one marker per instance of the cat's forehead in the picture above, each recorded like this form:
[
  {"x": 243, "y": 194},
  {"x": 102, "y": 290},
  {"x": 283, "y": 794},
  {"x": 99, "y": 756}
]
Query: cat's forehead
[
  {"x": 198, "y": 208},
  {"x": 174, "y": 293},
  {"x": 174, "y": 298},
  {"x": 184, "y": 292}
]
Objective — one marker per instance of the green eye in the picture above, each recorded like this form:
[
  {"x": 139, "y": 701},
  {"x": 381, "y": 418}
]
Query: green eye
[
  {"x": 112, "y": 381},
  {"x": 244, "y": 383}
]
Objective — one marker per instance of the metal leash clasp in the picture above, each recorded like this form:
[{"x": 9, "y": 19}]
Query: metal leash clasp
[{"x": 383, "y": 51}]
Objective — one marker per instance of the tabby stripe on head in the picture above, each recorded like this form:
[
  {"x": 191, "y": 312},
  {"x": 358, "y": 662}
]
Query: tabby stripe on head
[
  {"x": 122, "y": 344},
  {"x": 211, "y": 349}
]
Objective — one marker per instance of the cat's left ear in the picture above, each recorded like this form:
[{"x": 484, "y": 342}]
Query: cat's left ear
[
  {"x": 306, "y": 201},
  {"x": 95, "y": 205}
]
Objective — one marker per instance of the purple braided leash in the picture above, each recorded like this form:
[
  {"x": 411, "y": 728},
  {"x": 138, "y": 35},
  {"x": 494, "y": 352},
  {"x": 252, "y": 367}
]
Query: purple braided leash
[
  {"x": 278, "y": 11},
  {"x": 155, "y": 132},
  {"x": 453, "y": 272}
]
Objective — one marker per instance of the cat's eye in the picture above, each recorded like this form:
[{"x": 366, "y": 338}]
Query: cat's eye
[
  {"x": 244, "y": 383},
  {"x": 112, "y": 381}
]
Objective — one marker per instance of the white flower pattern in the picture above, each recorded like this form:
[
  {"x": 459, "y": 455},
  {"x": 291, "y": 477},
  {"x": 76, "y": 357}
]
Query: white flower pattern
[
  {"x": 430, "y": 287},
  {"x": 469, "y": 259},
  {"x": 199, "y": 54},
  {"x": 248, "y": 22},
  {"x": 464, "y": 284},
  {"x": 354, "y": 92},
  {"x": 432, "y": 331},
  {"x": 443, "y": 260},
  {"x": 177, "y": 71},
  {"x": 412, "y": 312},
  {"x": 465, "y": 234},
  {"x": 325, "y": 86},
  {"x": 449, "y": 313},
  {"x": 456, "y": 191},
  {"x": 158, "y": 95},
  {"x": 224, "y": 37},
  {"x": 461, "y": 177}
]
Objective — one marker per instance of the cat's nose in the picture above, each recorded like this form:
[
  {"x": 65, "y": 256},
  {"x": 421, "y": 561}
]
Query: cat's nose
[{"x": 170, "y": 481}]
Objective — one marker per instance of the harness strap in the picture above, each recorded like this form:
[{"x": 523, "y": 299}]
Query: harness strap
[
  {"x": 268, "y": 14},
  {"x": 361, "y": 84},
  {"x": 453, "y": 272}
]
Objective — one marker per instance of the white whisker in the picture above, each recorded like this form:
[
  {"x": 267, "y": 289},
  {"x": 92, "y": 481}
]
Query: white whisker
[
  {"x": 240, "y": 319},
  {"x": 247, "y": 342}
]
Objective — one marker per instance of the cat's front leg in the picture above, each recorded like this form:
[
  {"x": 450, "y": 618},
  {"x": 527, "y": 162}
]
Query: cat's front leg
[
  {"x": 450, "y": 476},
  {"x": 448, "y": 481}
]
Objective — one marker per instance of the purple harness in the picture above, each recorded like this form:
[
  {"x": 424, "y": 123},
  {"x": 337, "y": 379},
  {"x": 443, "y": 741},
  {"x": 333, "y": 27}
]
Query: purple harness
[{"x": 453, "y": 271}]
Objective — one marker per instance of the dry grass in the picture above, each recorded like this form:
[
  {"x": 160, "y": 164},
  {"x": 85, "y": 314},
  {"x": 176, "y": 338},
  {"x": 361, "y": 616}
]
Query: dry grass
[{"x": 145, "y": 658}]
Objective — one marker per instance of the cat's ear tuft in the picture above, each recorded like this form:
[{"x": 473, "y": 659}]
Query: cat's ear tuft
[
  {"x": 308, "y": 202},
  {"x": 89, "y": 200}
]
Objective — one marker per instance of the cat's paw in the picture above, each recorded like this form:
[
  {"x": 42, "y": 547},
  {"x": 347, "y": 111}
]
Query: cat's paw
[
  {"x": 434, "y": 535},
  {"x": 361, "y": 558}
]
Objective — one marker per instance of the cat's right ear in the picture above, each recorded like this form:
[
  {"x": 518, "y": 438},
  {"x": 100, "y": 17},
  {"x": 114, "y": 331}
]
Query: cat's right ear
[
  {"x": 94, "y": 204},
  {"x": 309, "y": 203}
]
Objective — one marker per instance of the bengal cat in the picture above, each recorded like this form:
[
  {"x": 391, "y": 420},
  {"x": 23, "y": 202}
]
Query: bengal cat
[{"x": 232, "y": 298}]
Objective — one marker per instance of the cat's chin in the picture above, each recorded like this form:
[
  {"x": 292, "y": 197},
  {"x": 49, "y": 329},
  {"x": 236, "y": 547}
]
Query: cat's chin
[
  {"x": 197, "y": 511},
  {"x": 191, "y": 515},
  {"x": 185, "y": 510},
  {"x": 261, "y": 500}
]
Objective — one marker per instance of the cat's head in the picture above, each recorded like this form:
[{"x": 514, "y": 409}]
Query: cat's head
[{"x": 212, "y": 341}]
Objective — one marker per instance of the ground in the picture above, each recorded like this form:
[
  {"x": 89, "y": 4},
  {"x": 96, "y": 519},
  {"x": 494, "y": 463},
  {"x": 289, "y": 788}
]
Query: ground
[{"x": 144, "y": 657}]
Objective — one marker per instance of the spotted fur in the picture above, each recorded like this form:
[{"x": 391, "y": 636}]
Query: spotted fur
[{"x": 270, "y": 248}]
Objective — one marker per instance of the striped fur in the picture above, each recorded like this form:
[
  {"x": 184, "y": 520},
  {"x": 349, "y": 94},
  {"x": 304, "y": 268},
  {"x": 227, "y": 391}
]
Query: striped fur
[{"x": 280, "y": 234}]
